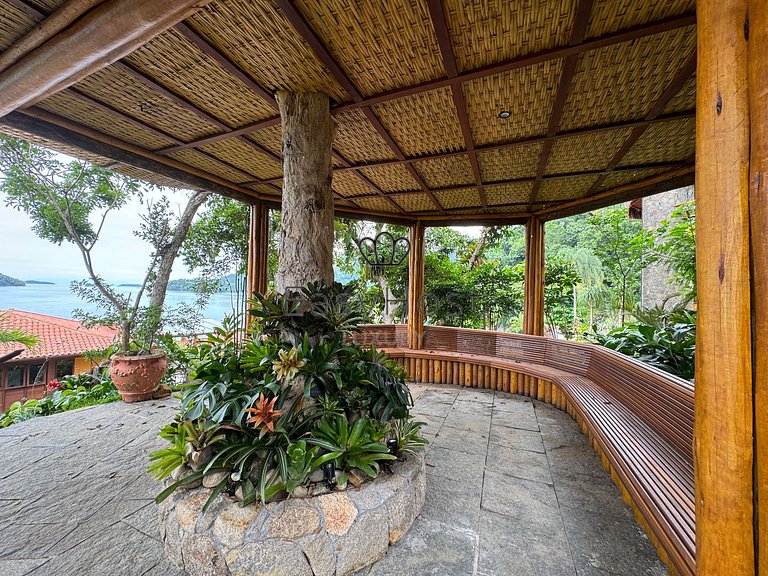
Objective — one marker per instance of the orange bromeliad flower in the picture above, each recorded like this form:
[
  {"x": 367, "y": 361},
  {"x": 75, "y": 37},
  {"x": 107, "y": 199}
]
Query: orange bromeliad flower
[{"x": 264, "y": 414}]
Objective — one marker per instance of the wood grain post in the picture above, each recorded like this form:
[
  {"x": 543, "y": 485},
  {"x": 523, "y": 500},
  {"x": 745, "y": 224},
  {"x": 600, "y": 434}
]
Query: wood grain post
[
  {"x": 533, "y": 299},
  {"x": 258, "y": 249},
  {"x": 723, "y": 431},
  {"x": 758, "y": 208},
  {"x": 306, "y": 240},
  {"x": 416, "y": 287}
]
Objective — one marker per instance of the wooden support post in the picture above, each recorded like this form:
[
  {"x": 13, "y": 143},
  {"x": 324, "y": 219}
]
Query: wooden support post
[
  {"x": 758, "y": 209},
  {"x": 533, "y": 299},
  {"x": 723, "y": 432},
  {"x": 306, "y": 241},
  {"x": 258, "y": 249},
  {"x": 416, "y": 287}
]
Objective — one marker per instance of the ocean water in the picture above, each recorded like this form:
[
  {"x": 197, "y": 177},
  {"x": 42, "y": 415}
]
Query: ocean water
[{"x": 57, "y": 300}]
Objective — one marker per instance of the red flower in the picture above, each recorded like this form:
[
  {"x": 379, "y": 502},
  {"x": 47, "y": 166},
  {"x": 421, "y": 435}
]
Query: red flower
[
  {"x": 264, "y": 414},
  {"x": 53, "y": 385}
]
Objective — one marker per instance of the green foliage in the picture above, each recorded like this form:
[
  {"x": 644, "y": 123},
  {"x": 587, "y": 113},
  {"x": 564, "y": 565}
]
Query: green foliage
[
  {"x": 560, "y": 279},
  {"x": 665, "y": 339},
  {"x": 406, "y": 434},
  {"x": 676, "y": 247},
  {"x": 293, "y": 395},
  {"x": 69, "y": 393}
]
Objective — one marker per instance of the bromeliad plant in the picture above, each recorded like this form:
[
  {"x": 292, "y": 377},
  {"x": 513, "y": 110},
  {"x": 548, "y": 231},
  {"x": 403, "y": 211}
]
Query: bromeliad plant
[{"x": 293, "y": 408}]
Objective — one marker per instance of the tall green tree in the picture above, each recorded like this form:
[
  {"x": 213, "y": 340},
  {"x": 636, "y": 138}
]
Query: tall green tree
[
  {"x": 676, "y": 247},
  {"x": 70, "y": 202}
]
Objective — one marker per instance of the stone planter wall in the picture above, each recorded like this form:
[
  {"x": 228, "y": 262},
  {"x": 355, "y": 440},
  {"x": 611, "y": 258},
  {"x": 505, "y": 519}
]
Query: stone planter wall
[{"x": 333, "y": 534}]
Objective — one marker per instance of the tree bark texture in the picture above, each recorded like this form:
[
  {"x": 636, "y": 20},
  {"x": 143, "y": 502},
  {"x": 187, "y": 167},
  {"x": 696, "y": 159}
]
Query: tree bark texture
[
  {"x": 167, "y": 255},
  {"x": 306, "y": 240}
]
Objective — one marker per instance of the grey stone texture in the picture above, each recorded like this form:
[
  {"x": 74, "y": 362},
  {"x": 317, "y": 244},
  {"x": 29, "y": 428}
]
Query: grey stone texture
[
  {"x": 512, "y": 488},
  {"x": 656, "y": 278}
]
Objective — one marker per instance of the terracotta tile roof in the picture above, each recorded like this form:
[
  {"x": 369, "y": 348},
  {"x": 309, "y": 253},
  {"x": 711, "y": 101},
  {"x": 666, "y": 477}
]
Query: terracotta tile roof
[{"x": 58, "y": 336}]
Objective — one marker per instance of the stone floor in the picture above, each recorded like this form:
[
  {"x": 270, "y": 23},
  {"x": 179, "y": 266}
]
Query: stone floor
[{"x": 513, "y": 489}]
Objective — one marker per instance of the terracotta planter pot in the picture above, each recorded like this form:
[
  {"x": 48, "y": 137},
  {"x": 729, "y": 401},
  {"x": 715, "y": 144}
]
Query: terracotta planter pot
[{"x": 136, "y": 377}]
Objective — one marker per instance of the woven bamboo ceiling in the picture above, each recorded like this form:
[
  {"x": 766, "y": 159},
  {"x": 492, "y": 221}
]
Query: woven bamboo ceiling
[{"x": 445, "y": 110}]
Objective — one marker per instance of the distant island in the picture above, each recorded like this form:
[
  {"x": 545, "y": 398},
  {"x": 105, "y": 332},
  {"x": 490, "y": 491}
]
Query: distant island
[
  {"x": 10, "y": 281},
  {"x": 129, "y": 285},
  {"x": 224, "y": 284},
  {"x": 38, "y": 282}
]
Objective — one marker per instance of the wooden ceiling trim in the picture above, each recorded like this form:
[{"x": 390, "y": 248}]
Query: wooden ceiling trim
[
  {"x": 242, "y": 131},
  {"x": 578, "y": 31},
  {"x": 677, "y": 84},
  {"x": 437, "y": 14},
  {"x": 378, "y": 191}
]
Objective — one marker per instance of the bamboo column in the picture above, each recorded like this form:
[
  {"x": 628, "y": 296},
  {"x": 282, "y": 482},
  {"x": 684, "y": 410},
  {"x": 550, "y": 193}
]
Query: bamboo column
[
  {"x": 723, "y": 436},
  {"x": 416, "y": 287},
  {"x": 533, "y": 299},
  {"x": 306, "y": 241},
  {"x": 258, "y": 249},
  {"x": 758, "y": 208}
]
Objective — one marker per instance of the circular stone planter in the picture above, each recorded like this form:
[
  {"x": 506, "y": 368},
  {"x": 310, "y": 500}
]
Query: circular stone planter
[{"x": 332, "y": 534}]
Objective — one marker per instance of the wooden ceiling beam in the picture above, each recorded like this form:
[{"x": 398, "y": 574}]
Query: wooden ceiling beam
[
  {"x": 443, "y": 35},
  {"x": 47, "y": 27},
  {"x": 578, "y": 32},
  {"x": 103, "y": 35},
  {"x": 674, "y": 87}
]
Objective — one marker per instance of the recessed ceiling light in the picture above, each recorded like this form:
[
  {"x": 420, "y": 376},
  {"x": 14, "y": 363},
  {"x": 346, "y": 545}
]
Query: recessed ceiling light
[{"x": 505, "y": 114}]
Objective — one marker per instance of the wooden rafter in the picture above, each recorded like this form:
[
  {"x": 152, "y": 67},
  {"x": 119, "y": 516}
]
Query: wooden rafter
[
  {"x": 578, "y": 31},
  {"x": 324, "y": 55},
  {"x": 77, "y": 51},
  {"x": 683, "y": 75},
  {"x": 437, "y": 14}
]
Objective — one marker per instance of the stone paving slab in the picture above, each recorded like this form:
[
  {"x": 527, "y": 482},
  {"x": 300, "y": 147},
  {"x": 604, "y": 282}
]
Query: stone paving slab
[{"x": 513, "y": 489}]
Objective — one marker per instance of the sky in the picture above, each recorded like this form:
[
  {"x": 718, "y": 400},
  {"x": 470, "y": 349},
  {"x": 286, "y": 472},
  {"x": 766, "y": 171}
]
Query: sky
[{"x": 119, "y": 256}]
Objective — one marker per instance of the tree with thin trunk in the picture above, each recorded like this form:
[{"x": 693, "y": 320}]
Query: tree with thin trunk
[{"x": 70, "y": 202}]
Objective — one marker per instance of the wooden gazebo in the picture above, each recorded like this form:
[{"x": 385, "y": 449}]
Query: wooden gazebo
[{"x": 427, "y": 112}]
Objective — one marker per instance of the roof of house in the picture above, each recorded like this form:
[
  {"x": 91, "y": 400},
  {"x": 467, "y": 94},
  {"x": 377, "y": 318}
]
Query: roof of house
[{"x": 59, "y": 337}]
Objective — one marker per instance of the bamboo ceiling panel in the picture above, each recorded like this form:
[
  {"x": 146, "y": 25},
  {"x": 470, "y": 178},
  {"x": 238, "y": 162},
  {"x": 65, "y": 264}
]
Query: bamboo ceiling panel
[
  {"x": 244, "y": 157},
  {"x": 46, "y": 6},
  {"x": 135, "y": 99},
  {"x": 391, "y": 178},
  {"x": 685, "y": 100},
  {"x": 461, "y": 198},
  {"x": 380, "y": 45},
  {"x": 376, "y": 204},
  {"x": 348, "y": 184},
  {"x": 568, "y": 156},
  {"x": 14, "y": 23},
  {"x": 664, "y": 142},
  {"x": 423, "y": 123},
  {"x": 414, "y": 202},
  {"x": 270, "y": 138},
  {"x": 612, "y": 15},
  {"x": 212, "y": 165},
  {"x": 69, "y": 106},
  {"x": 513, "y": 193},
  {"x": 444, "y": 172},
  {"x": 358, "y": 141},
  {"x": 509, "y": 163},
  {"x": 145, "y": 175},
  {"x": 561, "y": 189},
  {"x": 265, "y": 190},
  {"x": 621, "y": 177},
  {"x": 485, "y": 32},
  {"x": 622, "y": 82},
  {"x": 63, "y": 148},
  {"x": 175, "y": 63},
  {"x": 527, "y": 93},
  {"x": 257, "y": 37}
]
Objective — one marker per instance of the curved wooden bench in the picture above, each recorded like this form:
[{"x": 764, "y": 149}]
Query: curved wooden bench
[{"x": 638, "y": 419}]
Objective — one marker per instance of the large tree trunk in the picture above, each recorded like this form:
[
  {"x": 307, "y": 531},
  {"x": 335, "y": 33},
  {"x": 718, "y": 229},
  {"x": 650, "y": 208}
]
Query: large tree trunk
[
  {"x": 169, "y": 252},
  {"x": 306, "y": 242}
]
